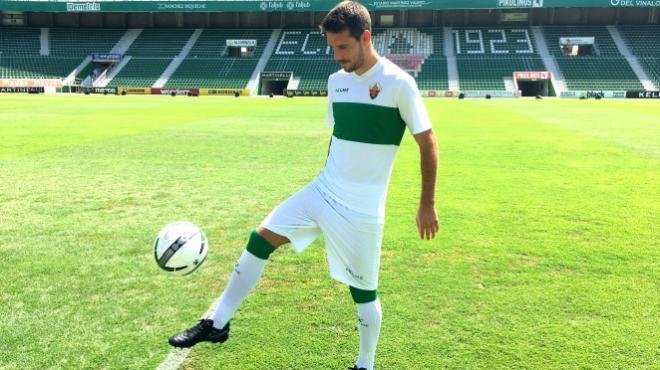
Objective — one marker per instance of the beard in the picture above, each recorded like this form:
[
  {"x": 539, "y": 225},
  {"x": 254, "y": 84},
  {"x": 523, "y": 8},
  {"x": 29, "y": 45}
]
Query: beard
[{"x": 358, "y": 62}]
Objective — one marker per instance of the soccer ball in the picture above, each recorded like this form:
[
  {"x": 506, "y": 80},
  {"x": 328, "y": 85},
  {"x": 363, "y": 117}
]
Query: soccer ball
[{"x": 180, "y": 248}]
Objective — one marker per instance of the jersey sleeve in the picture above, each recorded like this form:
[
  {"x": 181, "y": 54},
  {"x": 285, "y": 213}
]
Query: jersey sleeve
[
  {"x": 330, "y": 118},
  {"x": 412, "y": 109}
]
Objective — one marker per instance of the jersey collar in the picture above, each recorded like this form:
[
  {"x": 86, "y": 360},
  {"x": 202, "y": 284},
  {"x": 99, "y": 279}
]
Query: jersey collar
[{"x": 370, "y": 72}]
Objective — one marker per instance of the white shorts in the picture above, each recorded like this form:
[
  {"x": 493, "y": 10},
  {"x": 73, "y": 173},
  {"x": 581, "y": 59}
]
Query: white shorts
[{"x": 352, "y": 240}]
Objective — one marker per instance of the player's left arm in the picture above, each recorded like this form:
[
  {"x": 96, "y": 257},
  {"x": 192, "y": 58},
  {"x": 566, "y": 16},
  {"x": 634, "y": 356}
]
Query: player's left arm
[
  {"x": 427, "y": 217},
  {"x": 414, "y": 114}
]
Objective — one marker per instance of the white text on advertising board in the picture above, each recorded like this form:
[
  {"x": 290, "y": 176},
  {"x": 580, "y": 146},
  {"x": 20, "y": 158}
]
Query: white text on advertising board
[
  {"x": 520, "y": 3},
  {"x": 83, "y": 7},
  {"x": 635, "y": 3},
  {"x": 281, "y": 5}
]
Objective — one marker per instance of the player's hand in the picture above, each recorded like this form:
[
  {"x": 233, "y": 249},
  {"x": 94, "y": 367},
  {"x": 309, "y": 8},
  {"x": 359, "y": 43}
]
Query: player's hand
[{"x": 427, "y": 222}]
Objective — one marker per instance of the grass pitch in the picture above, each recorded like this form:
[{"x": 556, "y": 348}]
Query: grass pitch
[{"x": 548, "y": 255}]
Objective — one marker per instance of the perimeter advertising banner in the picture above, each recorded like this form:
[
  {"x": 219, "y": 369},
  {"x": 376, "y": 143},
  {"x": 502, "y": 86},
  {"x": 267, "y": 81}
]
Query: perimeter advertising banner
[
  {"x": 532, "y": 76},
  {"x": 28, "y": 90},
  {"x": 224, "y": 92},
  {"x": 180, "y": 91},
  {"x": 439, "y": 93},
  {"x": 642, "y": 94},
  {"x": 301, "y": 6},
  {"x": 30, "y": 82},
  {"x": 494, "y": 94},
  {"x": 134, "y": 90},
  {"x": 292, "y": 93},
  {"x": 175, "y": 91},
  {"x": 595, "y": 94},
  {"x": 99, "y": 90}
]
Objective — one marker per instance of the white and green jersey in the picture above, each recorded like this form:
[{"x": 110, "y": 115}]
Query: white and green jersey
[{"x": 369, "y": 115}]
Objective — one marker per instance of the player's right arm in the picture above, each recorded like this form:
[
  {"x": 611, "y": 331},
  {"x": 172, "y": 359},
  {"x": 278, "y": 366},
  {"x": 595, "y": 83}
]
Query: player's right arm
[{"x": 330, "y": 118}]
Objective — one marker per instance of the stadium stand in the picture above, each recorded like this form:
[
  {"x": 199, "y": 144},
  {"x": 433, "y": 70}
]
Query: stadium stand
[
  {"x": 140, "y": 72},
  {"x": 20, "y": 58},
  {"x": 150, "y": 54},
  {"x": 36, "y": 67},
  {"x": 209, "y": 65},
  {"x": 159, "y": 43},
  {"x": 20, "y": 51},
  {"x": 643, "y": 42},
  {"x": 606, "y": 69},
  {"x": 420, "y": 51},
  {"x": 488, "y": 56},
  {"x": 19, "y": 42},
  {"x": 433, "y": 73},
  {"x": 305, "y": 53},
  {"x": 80, "y": 42}
]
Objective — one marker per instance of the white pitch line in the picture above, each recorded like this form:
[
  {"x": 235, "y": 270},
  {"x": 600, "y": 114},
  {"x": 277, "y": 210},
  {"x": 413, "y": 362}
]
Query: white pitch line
[{"x": 177, "y": 356}]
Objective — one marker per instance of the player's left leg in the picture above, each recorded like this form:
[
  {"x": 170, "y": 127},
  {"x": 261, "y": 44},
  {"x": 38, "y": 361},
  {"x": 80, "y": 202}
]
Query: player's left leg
[
  {"x": 370, "y": 317},
  {"x": 353, "y": 245}
]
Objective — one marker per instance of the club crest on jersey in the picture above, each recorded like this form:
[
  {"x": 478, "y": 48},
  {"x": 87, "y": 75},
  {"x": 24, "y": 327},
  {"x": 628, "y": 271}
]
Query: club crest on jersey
[{"x": 374, "y": 90}]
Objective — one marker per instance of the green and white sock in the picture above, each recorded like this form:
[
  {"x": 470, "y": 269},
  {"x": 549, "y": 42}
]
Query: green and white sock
[
  {"x": 370, "y": 316},
  {"x": 247, "y": 272}
]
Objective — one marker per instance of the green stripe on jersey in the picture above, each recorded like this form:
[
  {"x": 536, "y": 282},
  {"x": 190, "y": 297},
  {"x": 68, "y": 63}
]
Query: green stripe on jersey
[{"x": 368, "y": 123}]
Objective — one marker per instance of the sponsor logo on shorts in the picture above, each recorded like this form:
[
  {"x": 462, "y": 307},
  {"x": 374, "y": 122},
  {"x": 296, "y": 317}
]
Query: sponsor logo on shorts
[{"x": 353, "y": 274}]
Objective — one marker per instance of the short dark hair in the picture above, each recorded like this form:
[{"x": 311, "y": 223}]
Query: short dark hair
[{"x": 349, "y": 15}]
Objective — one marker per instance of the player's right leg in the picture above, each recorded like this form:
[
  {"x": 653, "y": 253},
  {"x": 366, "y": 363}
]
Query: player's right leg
[
  {"x": 243, "y": 279},
  {"x": 292, "y": 222}
]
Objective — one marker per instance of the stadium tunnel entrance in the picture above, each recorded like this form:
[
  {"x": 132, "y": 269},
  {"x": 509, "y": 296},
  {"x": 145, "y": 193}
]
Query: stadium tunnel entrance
[
  {"x": 274, "y": 82},
  {"x": 533, "y": 88}
]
